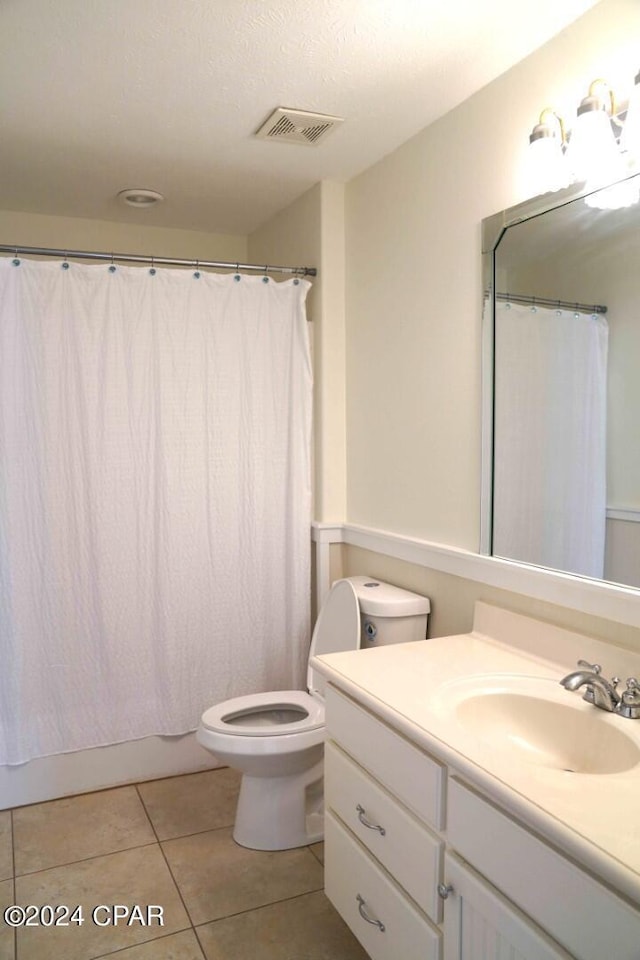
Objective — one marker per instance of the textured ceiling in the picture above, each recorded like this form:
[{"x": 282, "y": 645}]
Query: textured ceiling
[{"x": 100, "y": 95}]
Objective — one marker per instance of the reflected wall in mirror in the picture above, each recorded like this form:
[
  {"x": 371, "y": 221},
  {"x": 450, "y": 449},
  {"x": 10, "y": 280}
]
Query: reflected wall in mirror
[{"x": 562, "y": 364}]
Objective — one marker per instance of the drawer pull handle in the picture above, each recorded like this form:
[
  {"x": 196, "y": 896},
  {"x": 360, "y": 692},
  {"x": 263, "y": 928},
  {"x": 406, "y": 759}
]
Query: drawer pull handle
[
  {"x": 376, "y": 923},
  {"x": 367, "y": 823},
  {"x": 444, "y": 889}
]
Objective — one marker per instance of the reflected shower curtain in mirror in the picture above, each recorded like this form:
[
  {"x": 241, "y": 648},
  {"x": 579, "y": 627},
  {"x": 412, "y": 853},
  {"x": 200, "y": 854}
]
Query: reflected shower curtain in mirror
[
  {"x": 154, "y": 499},
  {"x": 549, "y": 501}
]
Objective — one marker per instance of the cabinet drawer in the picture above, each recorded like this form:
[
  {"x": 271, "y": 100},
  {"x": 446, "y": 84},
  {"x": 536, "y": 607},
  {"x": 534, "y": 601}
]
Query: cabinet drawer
[
  {"x": 406, "y": 848},
  {"x": 585, "y": 917},
  {"x": 410, "y": 774},
  {"x": 350, "y": 873}
]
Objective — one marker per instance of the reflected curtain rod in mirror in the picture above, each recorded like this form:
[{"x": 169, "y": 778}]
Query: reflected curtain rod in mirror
[{"x": 547, "y": 302}]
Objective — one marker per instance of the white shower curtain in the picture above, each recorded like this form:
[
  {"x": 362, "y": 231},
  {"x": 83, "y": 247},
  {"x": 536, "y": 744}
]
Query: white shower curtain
[
  {"x": 549, "y": 503},
  {"x": 154, "y": 499}
]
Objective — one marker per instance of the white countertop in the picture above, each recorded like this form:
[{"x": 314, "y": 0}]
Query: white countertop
[{"x": 595, "y": 818}]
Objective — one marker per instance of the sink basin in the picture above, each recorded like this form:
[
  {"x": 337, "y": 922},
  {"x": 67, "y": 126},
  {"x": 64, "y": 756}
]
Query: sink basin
[{"x": 531, "y": 720}]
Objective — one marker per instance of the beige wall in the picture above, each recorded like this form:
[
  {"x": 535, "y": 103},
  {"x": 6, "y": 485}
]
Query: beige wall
[
  {"x": 310, "y": 232},
  {"x": 75, "y": 233},
  {"x": 453, "y": 598},
  {"x": 414, "y": 283}
]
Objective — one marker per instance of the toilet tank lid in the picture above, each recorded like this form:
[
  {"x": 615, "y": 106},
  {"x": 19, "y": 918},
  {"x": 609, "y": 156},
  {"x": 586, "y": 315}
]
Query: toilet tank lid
[
  {"x": 337, "y": 629},
  {"x": 379, "y": 599}
]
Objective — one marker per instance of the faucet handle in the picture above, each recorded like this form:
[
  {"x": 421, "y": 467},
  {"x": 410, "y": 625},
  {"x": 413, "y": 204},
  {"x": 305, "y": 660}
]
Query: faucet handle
[
  {"x": 629, "y": 705},
  {"x": 594, "y": 667}
]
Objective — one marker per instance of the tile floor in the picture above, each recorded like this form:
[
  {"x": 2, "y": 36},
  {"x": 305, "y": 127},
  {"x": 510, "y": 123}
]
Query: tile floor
[{"x": 166, "y": 843}]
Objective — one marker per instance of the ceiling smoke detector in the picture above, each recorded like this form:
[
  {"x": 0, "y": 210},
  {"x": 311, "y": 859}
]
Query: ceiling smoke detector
[
  {"x": 142, "y": 199},
  {"x": 297, "y": 126}
]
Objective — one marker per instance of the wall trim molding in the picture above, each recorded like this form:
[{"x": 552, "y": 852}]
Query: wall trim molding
[
  {"x": 629, "y": 514},
  {"x": 599, "y": 599}
]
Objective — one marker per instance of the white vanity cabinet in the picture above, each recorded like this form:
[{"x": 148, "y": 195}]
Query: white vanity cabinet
[
  {"x": 383, "y": 860},
  {"x": 401, "y": 829}
]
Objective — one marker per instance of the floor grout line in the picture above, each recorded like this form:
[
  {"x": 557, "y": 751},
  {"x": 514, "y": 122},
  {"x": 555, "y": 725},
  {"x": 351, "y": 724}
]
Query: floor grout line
[
  {"x": 199, "y": 942},
  {"x": 13, "y": 864},
  {"x": 131, "y": 946},
  {"x": 146, "y": 813},
  {"x": 260, "y": 906},
  {"x": 164, "y": 856},
  {"x": 196, "y": 833},
  {"x": 95, "y": 856}
]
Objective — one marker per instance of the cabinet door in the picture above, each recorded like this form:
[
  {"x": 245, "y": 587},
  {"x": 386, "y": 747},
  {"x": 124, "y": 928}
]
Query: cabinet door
[{"x": 479, "y": 923}]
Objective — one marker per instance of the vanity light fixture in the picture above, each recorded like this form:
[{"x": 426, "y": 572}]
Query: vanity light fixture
[
  {"x": 602, "y": 146},
  {"x": 547, "y": 142},
  {"x": 592, "y": 153}
]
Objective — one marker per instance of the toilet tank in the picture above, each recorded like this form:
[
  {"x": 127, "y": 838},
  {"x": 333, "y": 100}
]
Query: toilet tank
[{"x": 389, "y": 614}]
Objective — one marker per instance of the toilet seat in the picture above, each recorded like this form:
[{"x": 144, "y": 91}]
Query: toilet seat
[{"x": 233, "y": 717}]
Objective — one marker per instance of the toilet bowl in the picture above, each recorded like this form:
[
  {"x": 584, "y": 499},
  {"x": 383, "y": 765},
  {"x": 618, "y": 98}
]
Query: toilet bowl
[{"x": 276, "y": 739}]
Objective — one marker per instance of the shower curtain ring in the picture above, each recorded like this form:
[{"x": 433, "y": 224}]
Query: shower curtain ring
[
  {"x": 197, "y": 270},
  {"x": 112, "y": 268},
  {"x": 152, "y": 270}
]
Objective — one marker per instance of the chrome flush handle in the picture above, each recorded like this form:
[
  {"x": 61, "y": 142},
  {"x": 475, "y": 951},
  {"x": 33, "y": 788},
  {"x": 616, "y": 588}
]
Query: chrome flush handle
[{"x": 367, "y": 823}]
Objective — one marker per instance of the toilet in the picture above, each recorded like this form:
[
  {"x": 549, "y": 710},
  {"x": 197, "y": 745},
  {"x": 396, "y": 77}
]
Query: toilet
[{"x": 276, "y": 740}]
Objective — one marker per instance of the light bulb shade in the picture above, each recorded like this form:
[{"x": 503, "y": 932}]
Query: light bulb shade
[
  {"x": 618, "y": 195},
  {"x": 547, "y": 169},
  {"x": 630, "y": 139},
  {"x": 592, "y": 153}
]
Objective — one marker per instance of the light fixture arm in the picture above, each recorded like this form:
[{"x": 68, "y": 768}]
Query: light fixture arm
[
  {"x": 548, "y": 113},
  {"x": 600, "y": 90},
  {"x": 548, "y": 124}
]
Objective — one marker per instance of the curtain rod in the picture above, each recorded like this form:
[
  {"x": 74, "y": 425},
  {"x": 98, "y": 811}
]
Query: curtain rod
[
  {"x": 165, "y": 261},
  {"x": 547, "y": 302}
]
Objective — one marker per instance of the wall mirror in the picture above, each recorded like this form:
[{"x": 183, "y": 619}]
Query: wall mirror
[{"x": 561, "y": 374}]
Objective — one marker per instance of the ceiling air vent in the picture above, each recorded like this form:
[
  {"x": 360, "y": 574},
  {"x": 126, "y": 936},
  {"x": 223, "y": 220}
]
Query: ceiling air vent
[{"x": 297, "y": 126}]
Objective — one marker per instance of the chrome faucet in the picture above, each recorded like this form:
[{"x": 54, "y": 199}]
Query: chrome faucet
[
  {"x": 600, "y": 691},
  {"x": 603, "y": 693}
]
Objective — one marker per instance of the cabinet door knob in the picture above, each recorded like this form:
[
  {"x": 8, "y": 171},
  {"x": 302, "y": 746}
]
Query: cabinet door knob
[
  {"x": 361, "y": 908},
  {"x": 444, "y": 889},
  {"x": 367, "y": 823}
]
